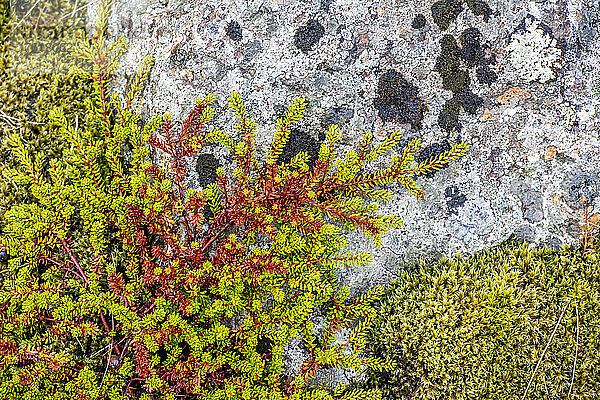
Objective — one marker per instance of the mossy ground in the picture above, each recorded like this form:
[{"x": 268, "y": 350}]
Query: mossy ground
[
  {"x": 475, "y": 327},
  {"x": 470, "y": 327},
  {"x": 34, "y": 79}
]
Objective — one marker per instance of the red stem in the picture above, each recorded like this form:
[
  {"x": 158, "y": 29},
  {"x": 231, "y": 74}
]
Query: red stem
[{"x": 87, "y": 283}]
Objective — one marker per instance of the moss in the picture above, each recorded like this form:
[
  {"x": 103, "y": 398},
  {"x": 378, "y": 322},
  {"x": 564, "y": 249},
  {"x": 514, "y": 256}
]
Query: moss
[
  {"x": 444, "y": 12},
  {"x": 448, "y": 117},
  {"x": 474, "y": 327},
  {"x": 34, "y": 79}
]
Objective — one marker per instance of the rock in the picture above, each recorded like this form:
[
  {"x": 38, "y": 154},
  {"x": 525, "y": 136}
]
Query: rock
[
  {"x": 474, "y": 219},
  {"x": 531, "y": 201}
]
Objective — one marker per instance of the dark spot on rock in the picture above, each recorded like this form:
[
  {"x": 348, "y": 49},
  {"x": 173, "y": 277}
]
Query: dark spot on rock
[
  {"x": 397, "y": 100},
  {"x": 444, "y": 12},
  {"x": 456, "y": 199},
  {"x": 419, "y": 21},
  {"x": 264, "y": 345},
  {"x": 451, "y": 191},
  {"x": 162, "y": 354},
  {"x": 524, "y": 233},
  {"x": 325, "y": 4},
  {"x": 337, "y": 116},
  {"x": 234, "y": 31},
  {"x": 472, "y": 53},
  {"x": 431, "y": 151},
  {"x": 469, "y": 101},
  {"x": 297, "y": 142},
  {"x": 448, "y": 117},
  {"x": 185, "y": 350},
  {"x": 206, "y": 167},
  {"x": 486, "y": 75},
  {"x": 480, "y": 7},
  {"x": 308, "y": 35}
]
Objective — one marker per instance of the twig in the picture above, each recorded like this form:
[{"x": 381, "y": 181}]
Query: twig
[
  {"x": 545, "y": 348},
  {"x": 575, "y": 360},
  {"x": 8, "y": 118},
  {"x": 105, "y": 371},
  {"x": 13, "y": 120},
  {"x": 75, "y": 10},
  {"x": 28, "y": 12},
  {"x": 74, "y": 7}
]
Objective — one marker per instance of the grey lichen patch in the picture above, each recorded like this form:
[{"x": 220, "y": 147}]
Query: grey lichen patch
[
  {"x": 474, "y": 219},
  {"x": 533, "y": 52},
  {"x": 580, "y": 183},
  {"x": 531, "y": 201},
  {"x": 524, "y": 232}
]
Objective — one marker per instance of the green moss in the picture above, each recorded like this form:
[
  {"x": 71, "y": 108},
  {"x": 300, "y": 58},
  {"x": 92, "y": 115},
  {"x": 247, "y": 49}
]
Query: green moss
[
  {"x": 475, "y": 327},
  {"x": 34, "y": 79},
  {"x": 479, "y": 7},
  {"x": 448, "y": 65},
  {"x": 448, "y": 118},
  {"x": 444, "y": 12}
]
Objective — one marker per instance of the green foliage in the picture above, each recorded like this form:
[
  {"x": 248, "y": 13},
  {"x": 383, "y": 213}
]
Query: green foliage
[
  {"x": 118, "y": 287},
  {"x": 475, "y": 327},
  {"x": 34, "y": 79}
]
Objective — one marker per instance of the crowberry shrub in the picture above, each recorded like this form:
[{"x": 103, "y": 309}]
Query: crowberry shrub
[{"x": 149, "y": 296}]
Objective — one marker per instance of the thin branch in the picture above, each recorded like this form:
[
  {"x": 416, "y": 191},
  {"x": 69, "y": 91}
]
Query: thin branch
[{"x": 545, "y": 348}]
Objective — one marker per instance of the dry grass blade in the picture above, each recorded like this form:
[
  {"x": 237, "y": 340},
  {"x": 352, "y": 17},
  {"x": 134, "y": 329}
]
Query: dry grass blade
[
  {"x": 544, "y": 352},
  {"x": 576, "y": 348}
]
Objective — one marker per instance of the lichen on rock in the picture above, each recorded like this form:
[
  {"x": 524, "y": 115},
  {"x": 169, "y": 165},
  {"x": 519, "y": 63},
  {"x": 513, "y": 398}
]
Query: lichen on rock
[{"x": 533, "y": 52}]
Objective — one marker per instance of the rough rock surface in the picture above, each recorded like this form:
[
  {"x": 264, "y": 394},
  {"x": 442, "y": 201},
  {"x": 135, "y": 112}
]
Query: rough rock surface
[{"x": 530, "y": 141}]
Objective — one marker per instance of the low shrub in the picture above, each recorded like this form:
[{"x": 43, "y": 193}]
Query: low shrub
[{"x": 118, "y": 286}]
